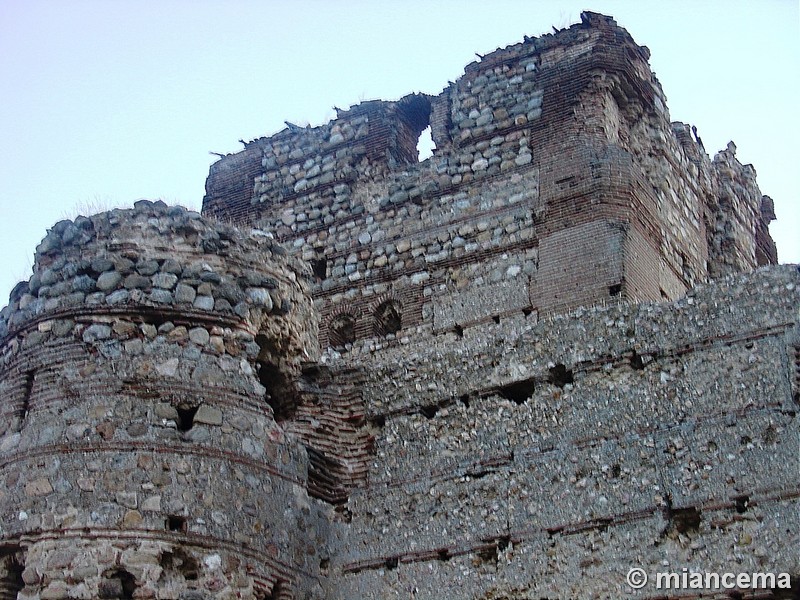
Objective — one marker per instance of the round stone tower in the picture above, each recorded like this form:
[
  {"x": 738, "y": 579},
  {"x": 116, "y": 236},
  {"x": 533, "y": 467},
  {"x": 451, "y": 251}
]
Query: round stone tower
[{"x": 141, "y": 368}]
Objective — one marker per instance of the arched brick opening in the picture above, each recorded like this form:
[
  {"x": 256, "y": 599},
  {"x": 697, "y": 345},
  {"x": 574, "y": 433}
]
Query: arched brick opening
[
  {"x": 341, "y": 330},
  {"x": 388, "y": 317}
]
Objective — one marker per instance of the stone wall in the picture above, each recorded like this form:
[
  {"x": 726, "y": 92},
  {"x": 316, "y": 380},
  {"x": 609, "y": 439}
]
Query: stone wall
[
  {"x": 527, "y": 384},
  {"x": 544, "y": 459},
  {"x": 142, "y": 370},
  {"x": 556, "y": 172},
  {"x": 157, "y": 446}
]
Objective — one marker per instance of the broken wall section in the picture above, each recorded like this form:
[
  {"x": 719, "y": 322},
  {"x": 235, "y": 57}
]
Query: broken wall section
[
  {"x": 739, "y": 218},
  {"x": 557, "y": 181}
]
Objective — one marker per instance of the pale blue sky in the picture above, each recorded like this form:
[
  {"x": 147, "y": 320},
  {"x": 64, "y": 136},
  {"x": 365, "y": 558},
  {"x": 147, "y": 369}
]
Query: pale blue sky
[{"x": 107, "y": 102}]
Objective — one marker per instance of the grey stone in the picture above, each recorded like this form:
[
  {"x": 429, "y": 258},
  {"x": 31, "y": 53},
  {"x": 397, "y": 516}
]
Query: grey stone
[
  {"x": 222, "y": 305},
  {"x": 242, "y": 309},
  {"x": 185, "y": 293},
  {"x": 135, "y": 281},
  {"x": 204, "y": 303},
  {"x": 108, "y": 281},
  {"x": 480, "y": 164},
  {"x": 398, "y": 197},
  {"x": 127, "y": 499},
  {"x": 484, "y": 120},
  {"x": 164, "y": 280},
  {"x": 232, "y": 293},
  {"x": 101, "y": 264},
  {"x": 118, "y": 297},
  {"x": 74, "y": 299},
  {"x": 171, "y": 266},
  {"x": 199, "y": 335},
  {"x": 168, "y": 368},
  {"x": 123, "y": 265},
  {"x": 210, "y": 277},
  {"x": 147, "y": 267},
  {"x": 96, "y": 332},
  {"x": 161, "y": 296},
  {"x": 260, "y": 297},
  {"x": 164, "y": 410},
  {"x": 136, "y": 429},
  {"x": 197, "y": 434},
  {"x": 208, "y": 415},
  {"x": 49, "y": 277},
  {"x": 523, "y": 159}
]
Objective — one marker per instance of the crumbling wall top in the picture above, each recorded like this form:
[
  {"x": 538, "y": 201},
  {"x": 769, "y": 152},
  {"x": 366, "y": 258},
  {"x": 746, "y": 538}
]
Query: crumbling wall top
[{"x": 154, "y": 258}]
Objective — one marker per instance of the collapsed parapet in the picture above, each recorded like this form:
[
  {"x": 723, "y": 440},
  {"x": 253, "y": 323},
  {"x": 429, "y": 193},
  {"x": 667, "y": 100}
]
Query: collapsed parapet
[
  {"x": 557, "y": 181},
  {"x": 142, "y": 369},
  {"x": 740, "y": 218},
  {"x": 369, "y": 140}
]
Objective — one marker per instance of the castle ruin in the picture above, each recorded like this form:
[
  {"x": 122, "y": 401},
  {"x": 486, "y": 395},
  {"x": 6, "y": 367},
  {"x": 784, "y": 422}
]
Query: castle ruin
[{"x": 557, "y": 349}]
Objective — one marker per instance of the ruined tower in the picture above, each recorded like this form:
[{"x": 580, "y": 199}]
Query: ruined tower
[
  {"x": 142, "y": 367},
  {"x": 556, "y": 350},
  {"x": 557, "y": 181}
]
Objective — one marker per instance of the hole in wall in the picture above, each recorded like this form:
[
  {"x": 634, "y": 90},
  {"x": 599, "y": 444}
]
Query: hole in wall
[
  {"x": 388, "y": 318},
  {"x": 560, "y": 375},
  {"x": 459, "y": 330},
  {"x": 615, "y": 290},
  {"x": 429, "y": 411},
  {"x": 444, "y": 555},
  {"x": 180, "y": 562},
  {"x": 275, "y": 592},
  {"x": 741, "y": 503},
  {"x": 392, "y": 563},
  {"x": 464, "y": 399},
  {"x": 25, "y": 403},
  {"x": 186, "y": 417},
  {"x": 280, "y": 394},
  {"x": 488, "y": 555},
  {"x": 491, "y": 554},
  {"x": 11, "y": 568},
  {"x": 496, "y": 319},
  {"x": 413, "y": 114},
  {"x": 343, "y": 514},
  {"x": 319, "y": 266},
  {"x": 683, "y": 520},
  {"x": 117, "y": 583},
  {"x": 342, "y": 331},
  {"x": 519, "y": 391},
  {"x": 637, "y": 364},
  {"x": 425, "y": 144},
  {"x": 177, "y": 523}
]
